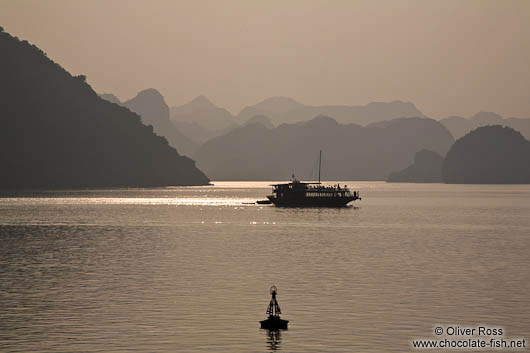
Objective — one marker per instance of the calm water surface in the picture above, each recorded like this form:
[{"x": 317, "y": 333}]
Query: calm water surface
[{"x": 188, "y": 269}]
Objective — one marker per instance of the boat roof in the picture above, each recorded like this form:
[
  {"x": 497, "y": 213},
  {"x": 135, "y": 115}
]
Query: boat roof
[{"x": 298, "y": 182}]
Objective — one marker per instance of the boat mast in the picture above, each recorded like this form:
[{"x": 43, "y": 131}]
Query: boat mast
[{"x": 319, "y": 164}]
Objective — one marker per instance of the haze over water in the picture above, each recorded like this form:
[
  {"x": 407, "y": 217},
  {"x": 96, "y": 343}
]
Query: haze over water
[{"x": 188, "y": 269}]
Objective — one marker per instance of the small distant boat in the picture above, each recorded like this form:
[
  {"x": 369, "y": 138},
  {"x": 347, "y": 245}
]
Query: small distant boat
[
  {"x": 299, "y": 194},
  {"x": 274, "y": 322},
  {"x": 263, "y": 202}
]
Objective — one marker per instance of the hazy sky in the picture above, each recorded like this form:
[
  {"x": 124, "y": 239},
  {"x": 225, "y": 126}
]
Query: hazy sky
[{"x": 448, "y": 57}]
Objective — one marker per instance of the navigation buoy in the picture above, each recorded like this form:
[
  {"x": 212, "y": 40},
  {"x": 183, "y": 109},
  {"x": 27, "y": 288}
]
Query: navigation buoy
[{"x": 274, "y": 322}]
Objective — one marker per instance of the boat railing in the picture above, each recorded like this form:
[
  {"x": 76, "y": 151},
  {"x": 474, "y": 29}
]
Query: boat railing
[{"x": 329, "y": 191}]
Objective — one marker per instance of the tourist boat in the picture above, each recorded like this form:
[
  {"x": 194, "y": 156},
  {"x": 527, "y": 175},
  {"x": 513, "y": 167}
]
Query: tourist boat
[{"x": 300, "y": 194}]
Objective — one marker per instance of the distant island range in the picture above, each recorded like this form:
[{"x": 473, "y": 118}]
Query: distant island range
[{"x": 58, "y": 132}]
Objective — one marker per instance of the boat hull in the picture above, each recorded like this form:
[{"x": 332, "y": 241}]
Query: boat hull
[
  {"x": 263, "y": 202},
  {"x": 311, "y": 201}
]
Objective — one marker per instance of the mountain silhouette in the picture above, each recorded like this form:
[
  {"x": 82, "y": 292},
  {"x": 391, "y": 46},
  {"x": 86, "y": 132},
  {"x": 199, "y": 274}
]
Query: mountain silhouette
[
  {"x": 57, "y": 132},
  {"x": 427, "y": 168},
  {"x": 486, "y": 118},
  {"x": 111, "y": 98},
  {"x": 200, "y": 119},
  {"x": 271, "y": 107},
  {"x": 286, "y": 110},
  {"x": 351, "y": 152},
  {"x": 261, "y": 119},
  {"x": 195, "y": 132},
  {"x": 153, "y": 110},
  {"x": 488, "y": 155},
  {"x": 457, "y": 125},
  {"x": 460, "y": 126},
  {"x": 206, "y": 114}
]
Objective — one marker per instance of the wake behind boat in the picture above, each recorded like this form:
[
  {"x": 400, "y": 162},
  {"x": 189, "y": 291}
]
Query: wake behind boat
[{"x": 300, "y": 194}]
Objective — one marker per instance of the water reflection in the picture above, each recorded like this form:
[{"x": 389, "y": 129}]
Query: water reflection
[{"x": 274, "y": 339}]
